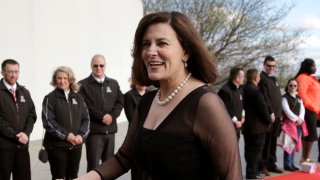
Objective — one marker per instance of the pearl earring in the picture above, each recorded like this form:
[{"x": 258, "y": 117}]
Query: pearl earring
[{"x": 185, "y": 64}]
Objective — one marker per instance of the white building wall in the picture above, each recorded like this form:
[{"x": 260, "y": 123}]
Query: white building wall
[{"x": 44, "y": 34}]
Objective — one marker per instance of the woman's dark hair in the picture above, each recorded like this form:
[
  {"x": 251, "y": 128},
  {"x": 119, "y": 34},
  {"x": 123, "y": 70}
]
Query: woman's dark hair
[
  {"x": 201, "y": 63},
  {"x": 305, "y": 67},
  {"x": 133, "y": 82},
  {"x": 288, "y": 82}
]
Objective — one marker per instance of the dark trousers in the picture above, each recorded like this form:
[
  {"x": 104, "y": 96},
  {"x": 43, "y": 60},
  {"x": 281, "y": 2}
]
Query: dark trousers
[
  {"x": 15, "y": 161},
  {"x": 270, "y": 148},
  {"x": 99, "y": 147},
  {"x": 319, "y": 149},
  {"x": 318, "y": 125},
  {"x": 64, "y": 163},
  {"x": 253, "y": 152}
]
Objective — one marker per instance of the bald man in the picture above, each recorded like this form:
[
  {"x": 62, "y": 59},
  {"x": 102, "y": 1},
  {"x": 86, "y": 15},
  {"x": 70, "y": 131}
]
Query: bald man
[{"x": 105, "y": 102}]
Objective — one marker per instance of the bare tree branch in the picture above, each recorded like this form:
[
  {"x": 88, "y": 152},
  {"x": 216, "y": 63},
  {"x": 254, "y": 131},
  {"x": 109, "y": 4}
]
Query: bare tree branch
[{"x": 238, "y": 32}]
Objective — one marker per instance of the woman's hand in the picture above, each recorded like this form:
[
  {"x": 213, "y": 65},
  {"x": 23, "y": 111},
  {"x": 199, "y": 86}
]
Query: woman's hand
[
  {"x": 78, "y": 140},
  {"x": 71, "y": 138}
]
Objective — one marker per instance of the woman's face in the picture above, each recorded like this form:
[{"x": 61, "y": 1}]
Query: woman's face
[
  {"x": 313, "y": 69},
  {"x": 162, "y": 53},
  {"x": 292, "y": 86},
  {"x": 62, "y": 81}
]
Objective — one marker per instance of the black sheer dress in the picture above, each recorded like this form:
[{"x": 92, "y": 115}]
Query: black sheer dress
[{"x": 196, "y": 141}]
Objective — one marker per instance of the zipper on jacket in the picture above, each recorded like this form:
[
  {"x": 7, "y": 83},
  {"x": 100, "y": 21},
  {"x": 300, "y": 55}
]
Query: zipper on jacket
[
  {"x": 17, "y": 105},
  {"x": 70, "y": 114},
  {"x": 102, "y": 92},
  {"x": 17, "y": 108}
]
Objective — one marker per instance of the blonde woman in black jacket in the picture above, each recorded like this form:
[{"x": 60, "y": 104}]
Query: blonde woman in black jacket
[{"x": 66, "y": 120}]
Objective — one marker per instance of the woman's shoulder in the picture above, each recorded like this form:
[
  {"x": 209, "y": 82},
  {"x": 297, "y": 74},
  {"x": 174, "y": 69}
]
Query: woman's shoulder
[
  {"x": 208, "y": 98},
  {"x": 303, "y": 76},
  {"x": 51, "y": 94},
  {"x": 130, "y": 92}
]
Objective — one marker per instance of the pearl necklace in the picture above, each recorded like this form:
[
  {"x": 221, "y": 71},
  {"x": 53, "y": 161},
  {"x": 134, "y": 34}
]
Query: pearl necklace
[{"x": 174, "y": 92}]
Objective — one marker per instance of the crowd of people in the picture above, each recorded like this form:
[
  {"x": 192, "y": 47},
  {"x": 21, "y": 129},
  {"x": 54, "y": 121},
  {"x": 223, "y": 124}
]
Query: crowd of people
[
  {"x": 270, "y": 118},
  {"x": 73, "y": 114},
  {"x": 178, "y": 129}
]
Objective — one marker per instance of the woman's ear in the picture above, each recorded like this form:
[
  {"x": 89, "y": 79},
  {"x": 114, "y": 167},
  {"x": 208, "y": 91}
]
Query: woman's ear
[{"x": 186, "y": 56}]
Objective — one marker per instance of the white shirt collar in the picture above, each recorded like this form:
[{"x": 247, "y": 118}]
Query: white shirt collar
[
  {"x": 66, "y": 93},
  {"x": 8, "y": 86},
  {"x": 98, "y": 79},
  {"x": 267, "y": 73}
]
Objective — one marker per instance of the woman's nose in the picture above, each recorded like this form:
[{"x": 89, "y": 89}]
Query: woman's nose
[{"x": 152, "y": 52}]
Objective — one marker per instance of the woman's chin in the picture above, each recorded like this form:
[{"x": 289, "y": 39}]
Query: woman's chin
[{"x": 154, "y": 77}]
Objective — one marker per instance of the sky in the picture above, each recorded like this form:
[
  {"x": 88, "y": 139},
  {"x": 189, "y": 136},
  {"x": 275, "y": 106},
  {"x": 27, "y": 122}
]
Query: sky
[{"x": 306, "y": 14}]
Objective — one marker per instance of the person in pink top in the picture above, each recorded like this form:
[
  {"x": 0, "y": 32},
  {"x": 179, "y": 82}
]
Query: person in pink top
[
  {"x": 309, "y": 91},
  {"x": 293, "y": 125}
]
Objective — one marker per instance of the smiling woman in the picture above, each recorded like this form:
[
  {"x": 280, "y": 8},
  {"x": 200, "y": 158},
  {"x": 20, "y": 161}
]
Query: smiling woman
[
  {"x": 181, "y": 130},
  {"x": 64, "y": 78},
  {"x": 65, "y": 118}
]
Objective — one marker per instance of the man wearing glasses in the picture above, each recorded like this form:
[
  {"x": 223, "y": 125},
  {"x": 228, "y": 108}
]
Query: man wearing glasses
[
  {"x": 17, "y": 117},
  {"x": 104, "y": 100},
  {"x": 270, "y": 89}
]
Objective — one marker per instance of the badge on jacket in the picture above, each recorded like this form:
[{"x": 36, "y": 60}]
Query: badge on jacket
[
  {"x": 74, "y": 101},
  {"x": 109, "y": 90},
  {"x": 22, "y": 99}
]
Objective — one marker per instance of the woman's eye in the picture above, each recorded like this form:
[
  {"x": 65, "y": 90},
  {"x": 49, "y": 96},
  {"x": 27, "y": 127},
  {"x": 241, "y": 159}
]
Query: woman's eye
[
  {"x": 145, "y": 45},
  {"x": 162, "y": 43}
]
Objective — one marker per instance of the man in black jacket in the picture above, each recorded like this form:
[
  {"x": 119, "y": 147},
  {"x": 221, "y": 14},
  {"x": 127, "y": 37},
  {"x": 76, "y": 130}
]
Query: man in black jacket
[
  {"x": 105, "y": 102},
  {"x": 231, "y": 95},
  {"x": 257, "y": 124},
  {"x": 270, "y": 89},
  {"x": 17, "y": 117}
]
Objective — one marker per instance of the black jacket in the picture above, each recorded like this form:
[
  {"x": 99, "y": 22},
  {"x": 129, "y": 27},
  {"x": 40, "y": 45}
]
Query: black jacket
[
  {"x": 293, "y": 102},
  {"x": 131, "y": 101},
  {"x": 258, "y": 118},
  {"x": 61, "y": 117},
  {"x": 101, "y": 99},
  {"x": 232, "y": 98},
  {"x": 15, "y": 117},
  {"x": 271, "y": 92}
]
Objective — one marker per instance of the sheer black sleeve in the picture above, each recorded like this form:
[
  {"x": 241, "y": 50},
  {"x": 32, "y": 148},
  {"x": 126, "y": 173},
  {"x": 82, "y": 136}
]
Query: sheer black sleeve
[
  {"x": 120, "y": 163},
  {"x": 218, "y": 136}
]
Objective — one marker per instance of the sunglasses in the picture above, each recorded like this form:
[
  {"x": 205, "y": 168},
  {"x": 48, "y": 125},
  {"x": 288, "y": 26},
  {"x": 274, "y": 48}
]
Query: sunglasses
[
  {"x": 98, "y": 65},
  {"x": 270, "y": 66},
  {"x": 293, "y": 85}
]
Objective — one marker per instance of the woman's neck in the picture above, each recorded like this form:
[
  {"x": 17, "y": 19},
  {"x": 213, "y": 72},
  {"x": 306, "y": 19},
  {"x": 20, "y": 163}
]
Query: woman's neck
[
  {"x": 293, "y": 94},
  {"x": 141, "y": 92}
]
